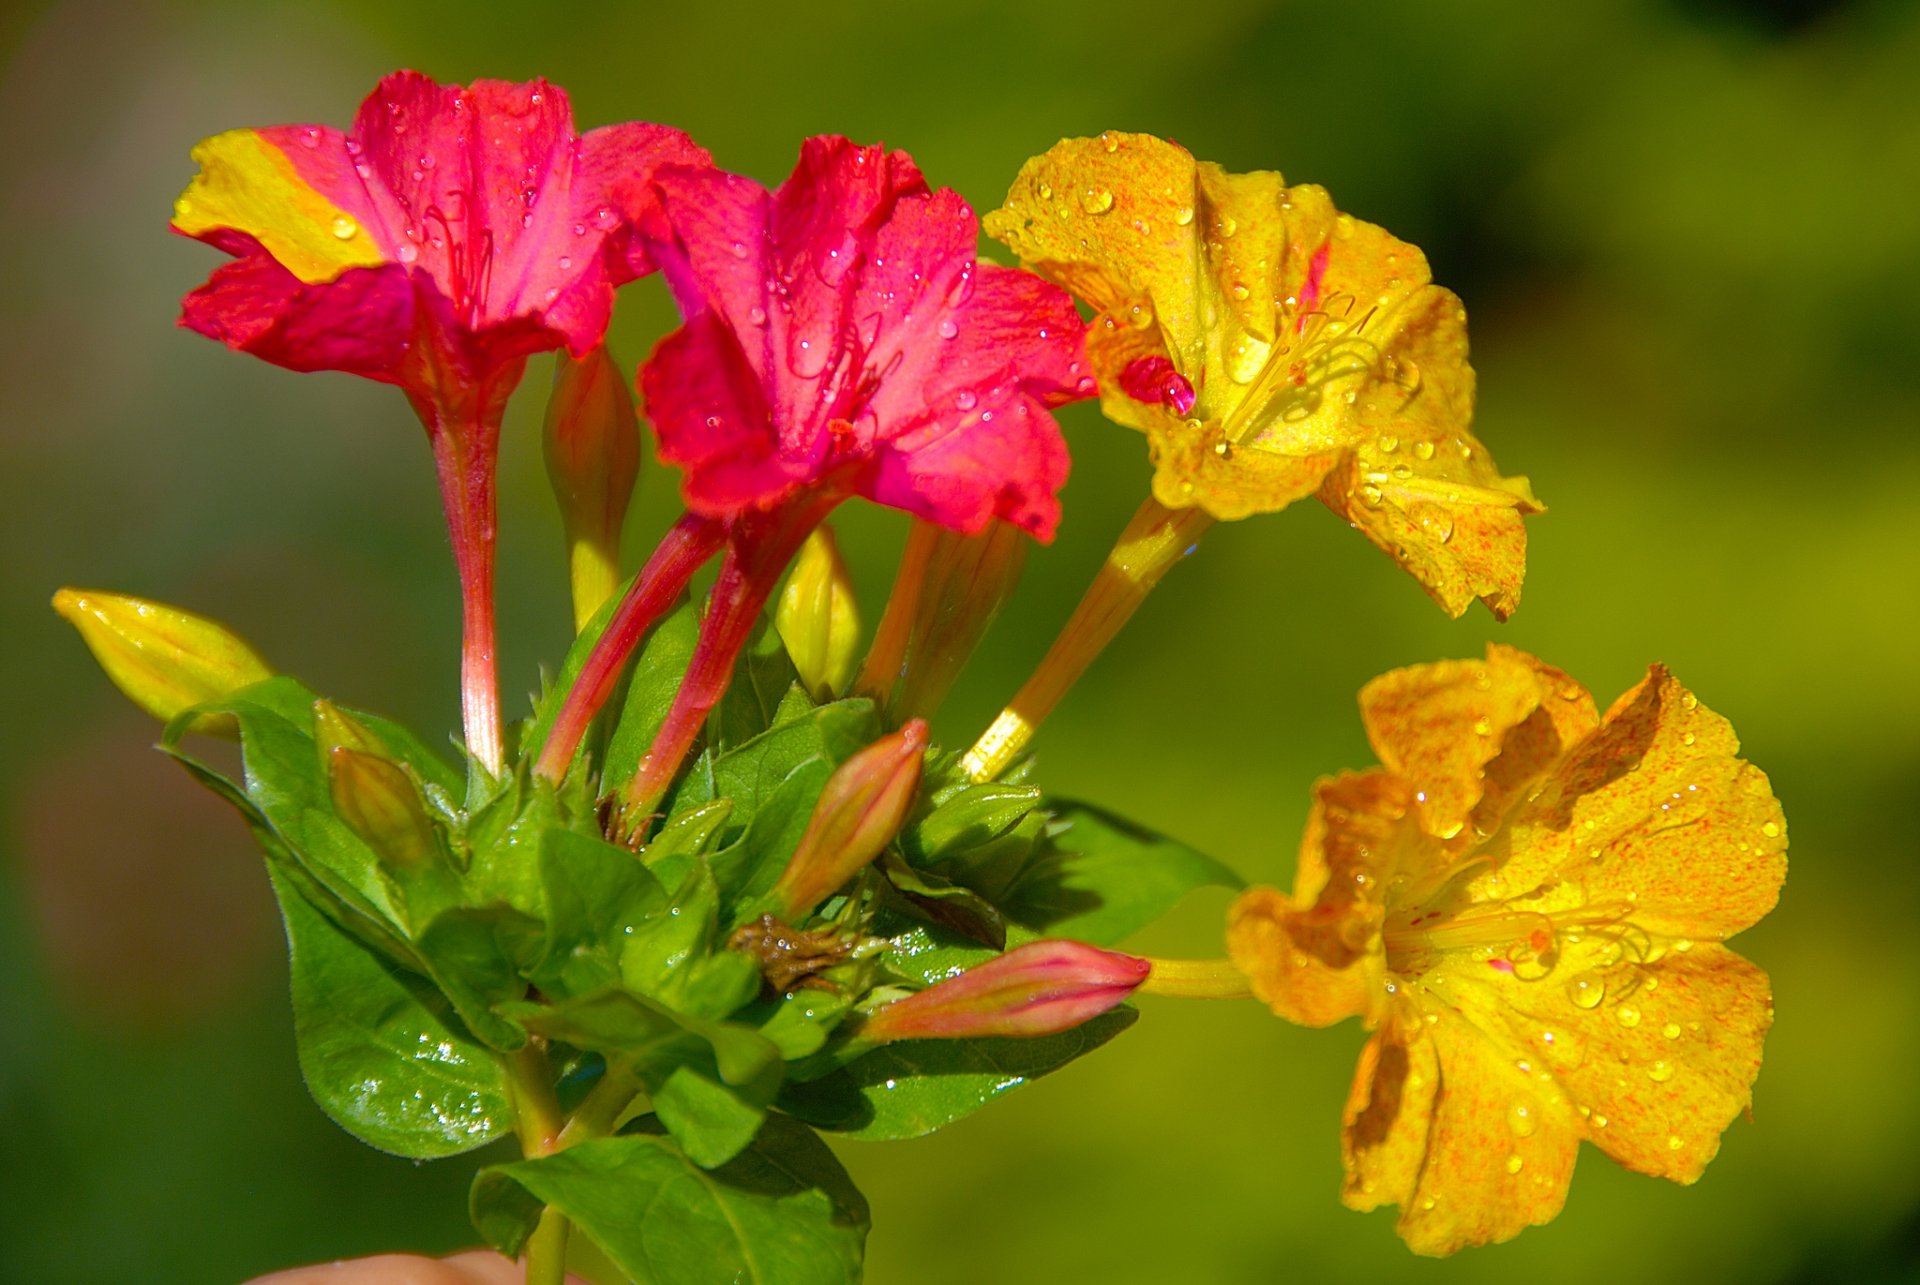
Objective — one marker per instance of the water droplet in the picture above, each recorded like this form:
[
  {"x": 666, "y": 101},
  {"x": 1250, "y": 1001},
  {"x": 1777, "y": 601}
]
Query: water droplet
[
  {"x": 566, "y": 261},
  {"x": 1370, "y": 496},
  {"x": 1111, "y": 143},
  {"x": 1044, "y": 191},
  {"x": 1660, "y": 1072},
  {"x": 1184, "y": 215},
  {"x": 1522, "y": 1120},
  {"x": 1436, "y": 522},
  {"x": 1239, "y": 292},
  {"x": 1673, "y": 1142},
  {"x": 946, "y": 329},
  {"x": 408, "y": 253},
  {"x": 1671, "y": 1030},
  {"x": 1688, "y": 738},
  {"x": 1483, "y": 726},
  {"x": 1627, "y": 1015},
  {"x": 714, "y": 422},
  {"x": 1096, "y": 200},
  {"x": 1389, "y": 443},
  {"x": 1683, "y": 945},
  {"x": 604, "y": 218},
  {"x": 310, "y": 137},
  {"x": 965, "y": 399},
  {"x": 1587, "y": 990},
  {"x": 1224, "y": 450},
  {"x": 345, "y": 228},
  {"x": 1689, "y": 701},
  {"x": 1515, "y": 1164},
  {"x": 739, "y": 249},
  {"x": 1423, "y": 449},
  {"x": 1140, "y": 316},
  {"x": 1771, "y": 830},
  {"x": 806, "y": 357},
  {"x": 1226, "y": 227},
  {"x": 757, "y": 315}
]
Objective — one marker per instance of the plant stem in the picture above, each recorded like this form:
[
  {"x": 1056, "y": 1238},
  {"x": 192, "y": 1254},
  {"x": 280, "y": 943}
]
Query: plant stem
[
  {"x": 1196, "y": 979},
  {"x": 1156, "y": 539},
  {"x": 536, "y": 1112},
  {"x": 681, "y": 552},
  {"x": 603, "y": 1106},
  {"x": 547, "y": 1249}
]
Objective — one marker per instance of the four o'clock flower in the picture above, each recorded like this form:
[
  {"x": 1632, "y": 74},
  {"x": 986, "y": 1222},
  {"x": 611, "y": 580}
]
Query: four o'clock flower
[
  {"x": 446, "y": 235},
  {"x": 1270, "y": 348},
  {"x": 841, "y": 339},
  {"x": 1041, "y": 988}
]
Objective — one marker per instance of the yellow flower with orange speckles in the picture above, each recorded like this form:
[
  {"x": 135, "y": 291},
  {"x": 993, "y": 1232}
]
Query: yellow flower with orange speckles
[{"x": 1526, "y": 903}]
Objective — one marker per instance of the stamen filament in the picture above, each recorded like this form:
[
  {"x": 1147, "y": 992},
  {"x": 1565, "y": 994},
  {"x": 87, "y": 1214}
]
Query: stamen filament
[{"x": 1156, "y": 539}]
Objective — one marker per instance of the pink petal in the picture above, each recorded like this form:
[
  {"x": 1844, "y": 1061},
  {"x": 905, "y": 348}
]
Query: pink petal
[{"x": 361, "y": 322}]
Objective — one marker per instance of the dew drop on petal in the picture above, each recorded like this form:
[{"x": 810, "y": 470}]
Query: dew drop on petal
[
  {"x": 757, "y": 315},
  {"x": 408, "y": 253},
  {"x": 1587, "y": 990},
  {"x": 965, "y": 399},
  {"x": 1423, "y": 449},
  {"x": 1522, "y": 1120},
  {"x": 1096, "y": 200},
  {"x": 1660, "y": 1072},
  {"x": 1627, "y": 1015},
  {"x": 946, "y": 329},
  {"x": 345, "y": 228},
  {"x": 1671, "y": 1030},
  {"x": 1514, "y": 1163},
  {"x": 1183, "y": 215}
]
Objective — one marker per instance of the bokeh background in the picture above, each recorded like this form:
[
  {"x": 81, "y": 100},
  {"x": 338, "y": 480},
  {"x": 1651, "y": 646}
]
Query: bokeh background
[{"x": 1688, "y": 234}]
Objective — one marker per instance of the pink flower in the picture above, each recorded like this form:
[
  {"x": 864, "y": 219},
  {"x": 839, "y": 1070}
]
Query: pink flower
[
  {"x": 841, "y": 334},
  {"x": 841, "y": 340},
  {"x": 435, "y": 245}
]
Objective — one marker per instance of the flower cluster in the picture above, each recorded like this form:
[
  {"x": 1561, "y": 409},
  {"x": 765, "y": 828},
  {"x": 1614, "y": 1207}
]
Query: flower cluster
[{"x": 722, "y": 889}]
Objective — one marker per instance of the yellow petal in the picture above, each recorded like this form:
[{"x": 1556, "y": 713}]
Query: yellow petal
[
  {"x": 1656, "y": 816},
  {"x": 1419, "y": 484},
  {"x": 1440, "y": 725},
  {"x": 1278, "y": 309},
  {"x": 1473, "y": 1149},
  {"x": 247, "y": 184},
  {"x": 1303, "y": 964}
]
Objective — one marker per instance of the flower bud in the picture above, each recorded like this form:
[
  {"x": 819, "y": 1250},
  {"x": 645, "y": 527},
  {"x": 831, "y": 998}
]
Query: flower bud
[
  {"x": 1041, "y": 988},
  {"x": 818, "y": 619},
  {"x": 863, "y": 806},
  {"x": 593, "y": 459},
  {"x": 372, "y": 794},
  {"x": 165, "y": 659}
]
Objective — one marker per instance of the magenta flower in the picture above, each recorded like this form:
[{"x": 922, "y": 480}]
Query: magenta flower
[
  {"x": 447, "y": 235},
  {"x": 841, "y": 339}
]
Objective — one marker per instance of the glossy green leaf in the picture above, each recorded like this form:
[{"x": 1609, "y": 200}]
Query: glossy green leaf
[
  {"x": 595, "y": 892},
  {"x": 650, "y": 1033},
  {"x": 381, "y": 1051},
  {"x": 478, "y": 955},
  {"x": 763, "y": 679},
  {"x": 747, "y": 870},
  {"x": 912, "y": 1088},
  {"x": 1099, "y": 877},
  {"x": 711, "y": 1122},
  {"x": 748, "y": 773},
  {"x": 966, "y": 816},
  {"x": 783, "y": 1212}
]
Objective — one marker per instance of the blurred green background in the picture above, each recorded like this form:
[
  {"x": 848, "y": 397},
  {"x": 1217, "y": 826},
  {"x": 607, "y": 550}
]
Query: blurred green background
[{"x": 1688, "y": 234}]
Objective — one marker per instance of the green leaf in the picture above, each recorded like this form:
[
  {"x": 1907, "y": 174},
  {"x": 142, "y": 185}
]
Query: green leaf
[
  {"x": 911, "y": 1088},
  {"x": 711, "y": 1123},
  {"x": 286, "y": 786},
  {"x": 547, "y": 709},
  {"x": 381, "y": 1052},
  {"x": 951, "y": 906},
  {"x": 763, "y": 678},
  {"x": 747, "y": 871},
  {"x": 748, "y": 773},
  {"x": 1099, "y": 877},
  {"x": 683, "y": 839},
  {"x": 652, "y": 1035},
  {"x": 595, "y": 893},
  {"x": 783, "y": 1212},
  {"x": 478, "y": 955},
  {"x": 651, "y": 687},
  {"x": 964, "y": 817}
]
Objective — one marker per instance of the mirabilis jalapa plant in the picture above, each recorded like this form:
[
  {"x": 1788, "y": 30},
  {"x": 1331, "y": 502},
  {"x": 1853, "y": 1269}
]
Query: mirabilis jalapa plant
[{"x": 719, "y": 893}]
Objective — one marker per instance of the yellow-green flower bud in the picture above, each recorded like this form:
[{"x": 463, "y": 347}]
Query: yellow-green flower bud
[
  {"x": 372, "y": 794},
  {"x": 817, "y": 617},
  {"x": 166, "y": 660},
  {"x": 593, "y": 460}
]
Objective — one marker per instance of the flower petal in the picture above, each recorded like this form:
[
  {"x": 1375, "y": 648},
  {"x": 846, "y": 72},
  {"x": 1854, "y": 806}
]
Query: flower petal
[
  {"x": 362, "y": 321},
  {"x": 1442, "y": 726},
  {"x": 1419, "y": 484},
  {"x": 1654, "y": 812},
  {"x": 705, "y": 406},
  {"x": 1495, "y": 1155}
]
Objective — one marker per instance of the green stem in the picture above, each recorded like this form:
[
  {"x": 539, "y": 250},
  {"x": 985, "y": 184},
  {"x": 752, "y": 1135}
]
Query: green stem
[
  {"x": 547, "y": 1249},
  {"x": 601, "y": 1109},
  {"x": 1196, "y": 979},
  {"x": 536, "y": 1112}
]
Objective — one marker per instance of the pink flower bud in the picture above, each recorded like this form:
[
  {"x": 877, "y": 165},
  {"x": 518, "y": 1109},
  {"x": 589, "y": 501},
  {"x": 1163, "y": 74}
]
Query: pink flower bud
[
  {"x": 1041, "y": 988},
  {"x": 862, "y": 807}
]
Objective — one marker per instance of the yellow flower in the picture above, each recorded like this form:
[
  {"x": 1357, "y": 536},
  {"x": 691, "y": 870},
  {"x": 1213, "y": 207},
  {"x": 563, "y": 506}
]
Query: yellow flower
[
  {"x": 1271, "y": 347},
  {"x": 1526, "y": 903}
]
